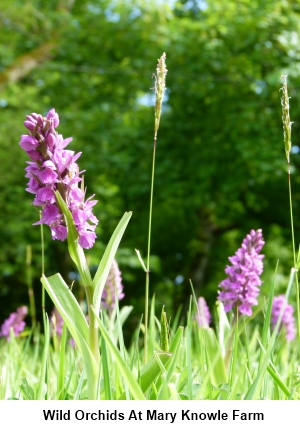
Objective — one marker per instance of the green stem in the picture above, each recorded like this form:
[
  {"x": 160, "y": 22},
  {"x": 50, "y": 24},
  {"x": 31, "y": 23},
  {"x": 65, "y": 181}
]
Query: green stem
[
  {"x": 294, "y": 254},
  {"x": 45, "y": 317},
  {"x": 29, "y": 285},
  {"x": 148, "y": 254},
  {"x": 232, "y": 369},
  {"x": 43, "y": 272},
  {"x": 93, "y": 340}
]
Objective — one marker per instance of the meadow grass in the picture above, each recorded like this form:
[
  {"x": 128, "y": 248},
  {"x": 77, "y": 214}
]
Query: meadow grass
[{"x": 262, "y": 365}]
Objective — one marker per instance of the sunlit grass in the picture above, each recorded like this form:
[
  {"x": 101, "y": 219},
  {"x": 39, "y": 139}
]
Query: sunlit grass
[{"x": 261, "y": 365}]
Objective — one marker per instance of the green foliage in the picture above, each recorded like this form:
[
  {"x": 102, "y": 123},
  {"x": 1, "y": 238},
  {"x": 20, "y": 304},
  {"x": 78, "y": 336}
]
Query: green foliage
[
  {"x": 132, "y": 384},
  {"x": 74, "y": 319},
  {"x": 107, "y": 260},
  {"x": 26, "y": 390},
  {"x": 195, "y": 368}
]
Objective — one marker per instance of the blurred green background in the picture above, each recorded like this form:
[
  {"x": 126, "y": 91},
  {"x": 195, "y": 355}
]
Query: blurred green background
[{"x": 221, "y": 168}]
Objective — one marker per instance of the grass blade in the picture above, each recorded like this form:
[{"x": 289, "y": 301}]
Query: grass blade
[
  {"x": 107, "y": 260},
  {"x": 252, "y": 393},
  {"x": 133, "y": 386}
]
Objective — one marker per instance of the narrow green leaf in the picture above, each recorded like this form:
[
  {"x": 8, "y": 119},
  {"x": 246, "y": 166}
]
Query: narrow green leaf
[
  {"x": 163, "y": 393},
  {"x": 223, "y": 327},
  {"x": 253, "y": 391},
  {"x": 123, "y": 315},
  {"x": 105, "y": 367},
  {"x": 79, "y": 387},
  {"x": 141, "y": 260},
  {"x": 40, "y": 391},
  {"x": 61, "y": 369},
  {"x": 267, "y": 319},
  {"x": 120, "y": 336},
  {"x": 173, "y": 392},
  {"x": 164, "y": 332},
  {"x": 279, "y": 382},
  {"x": 69, "y": 381},
  {"x": 74, "y": 319},
  {"x": 275, "y": 375},
  {"x": 119, "y": 386},
  {"x": 107, "y": 260},
  {"x": 75, "y": 250},
  {"x": 217, "y": 368},
  {"x": 133, "y": 386},
  {"x": 176, "y": 319},
  {"x": 234, "y": 353},
  {"x": 67, "y": 304},
  {"x": 175, "y": 348},
  {"x": 236, "y": 383},
  {"x": 151, "y": 330},
  {"x": 151, "y": 370},
  {"x": 189, "y": 351},
  {"x": 135, "y": 355},
  {"x": 216, "y": 365},
  {"x": 26, "y": 390},
  {"x": 160, "y": 363}
]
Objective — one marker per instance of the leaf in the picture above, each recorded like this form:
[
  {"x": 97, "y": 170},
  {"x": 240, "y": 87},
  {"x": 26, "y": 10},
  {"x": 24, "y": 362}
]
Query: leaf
[
  {"x": 152, "y": 369},
  {"x": 188, "y": 344},
  {"x": 253, "y": 391},
  {"x": 279, "y": 381},
  {"x": 107, "y": 260},
  {"x": 173, "y": 392},
  {"x": 26, "y": 390},
  {"x": 75, "y": 321},
  {"x": 164, "y": 332},
  {"x": 133, "y": 386},
  {"x": 41, "y": 386},
  {"x": 217, "y": 368},
  {"x": 123, "y": 315},
  {"x": 61, "y": 369},
  {"x": 141, "y": 260},
  {"x": 66, "y": 304},
  {"x": 223, "y": 327},
  {"x": 75, "y": 250},
  {"x": 120, "y": 337},
  {"x": 267, "y": 319},
  {"x": 105, "y": 367},
  {"x": 175, "y": 349}
]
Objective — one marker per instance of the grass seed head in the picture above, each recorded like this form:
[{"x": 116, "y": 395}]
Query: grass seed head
[{"x": 287, "y": 124}]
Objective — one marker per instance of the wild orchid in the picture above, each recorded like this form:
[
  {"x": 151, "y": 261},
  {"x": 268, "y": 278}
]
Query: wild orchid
[
  {"x": 54, "y": 179},
  {"x": 54, "y": 168},
  {"x": 241, "y": 288}
]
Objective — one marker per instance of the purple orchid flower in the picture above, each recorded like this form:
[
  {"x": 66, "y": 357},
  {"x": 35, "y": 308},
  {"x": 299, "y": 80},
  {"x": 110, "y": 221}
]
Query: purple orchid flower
[
  {"x": 203, "y": 315},
  {"x": 288, "y": 320},
  {"x": 54, "y": 168},
  {"x": 114, "y": 281},
  {"x": 15, "y": 321},
  {"x": 240, "y": 288}
]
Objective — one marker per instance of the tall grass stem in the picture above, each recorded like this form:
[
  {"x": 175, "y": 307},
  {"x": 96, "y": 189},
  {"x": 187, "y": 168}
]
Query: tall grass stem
[
  {"x": 160, "y": 86},
  {"x": 287, "y": 134},
  {"x": 294, "y": 255},
  {"x": 148, "y": 255}
]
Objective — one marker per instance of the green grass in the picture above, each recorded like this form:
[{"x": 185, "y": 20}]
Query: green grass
[{"x": 261, "y": 365}]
